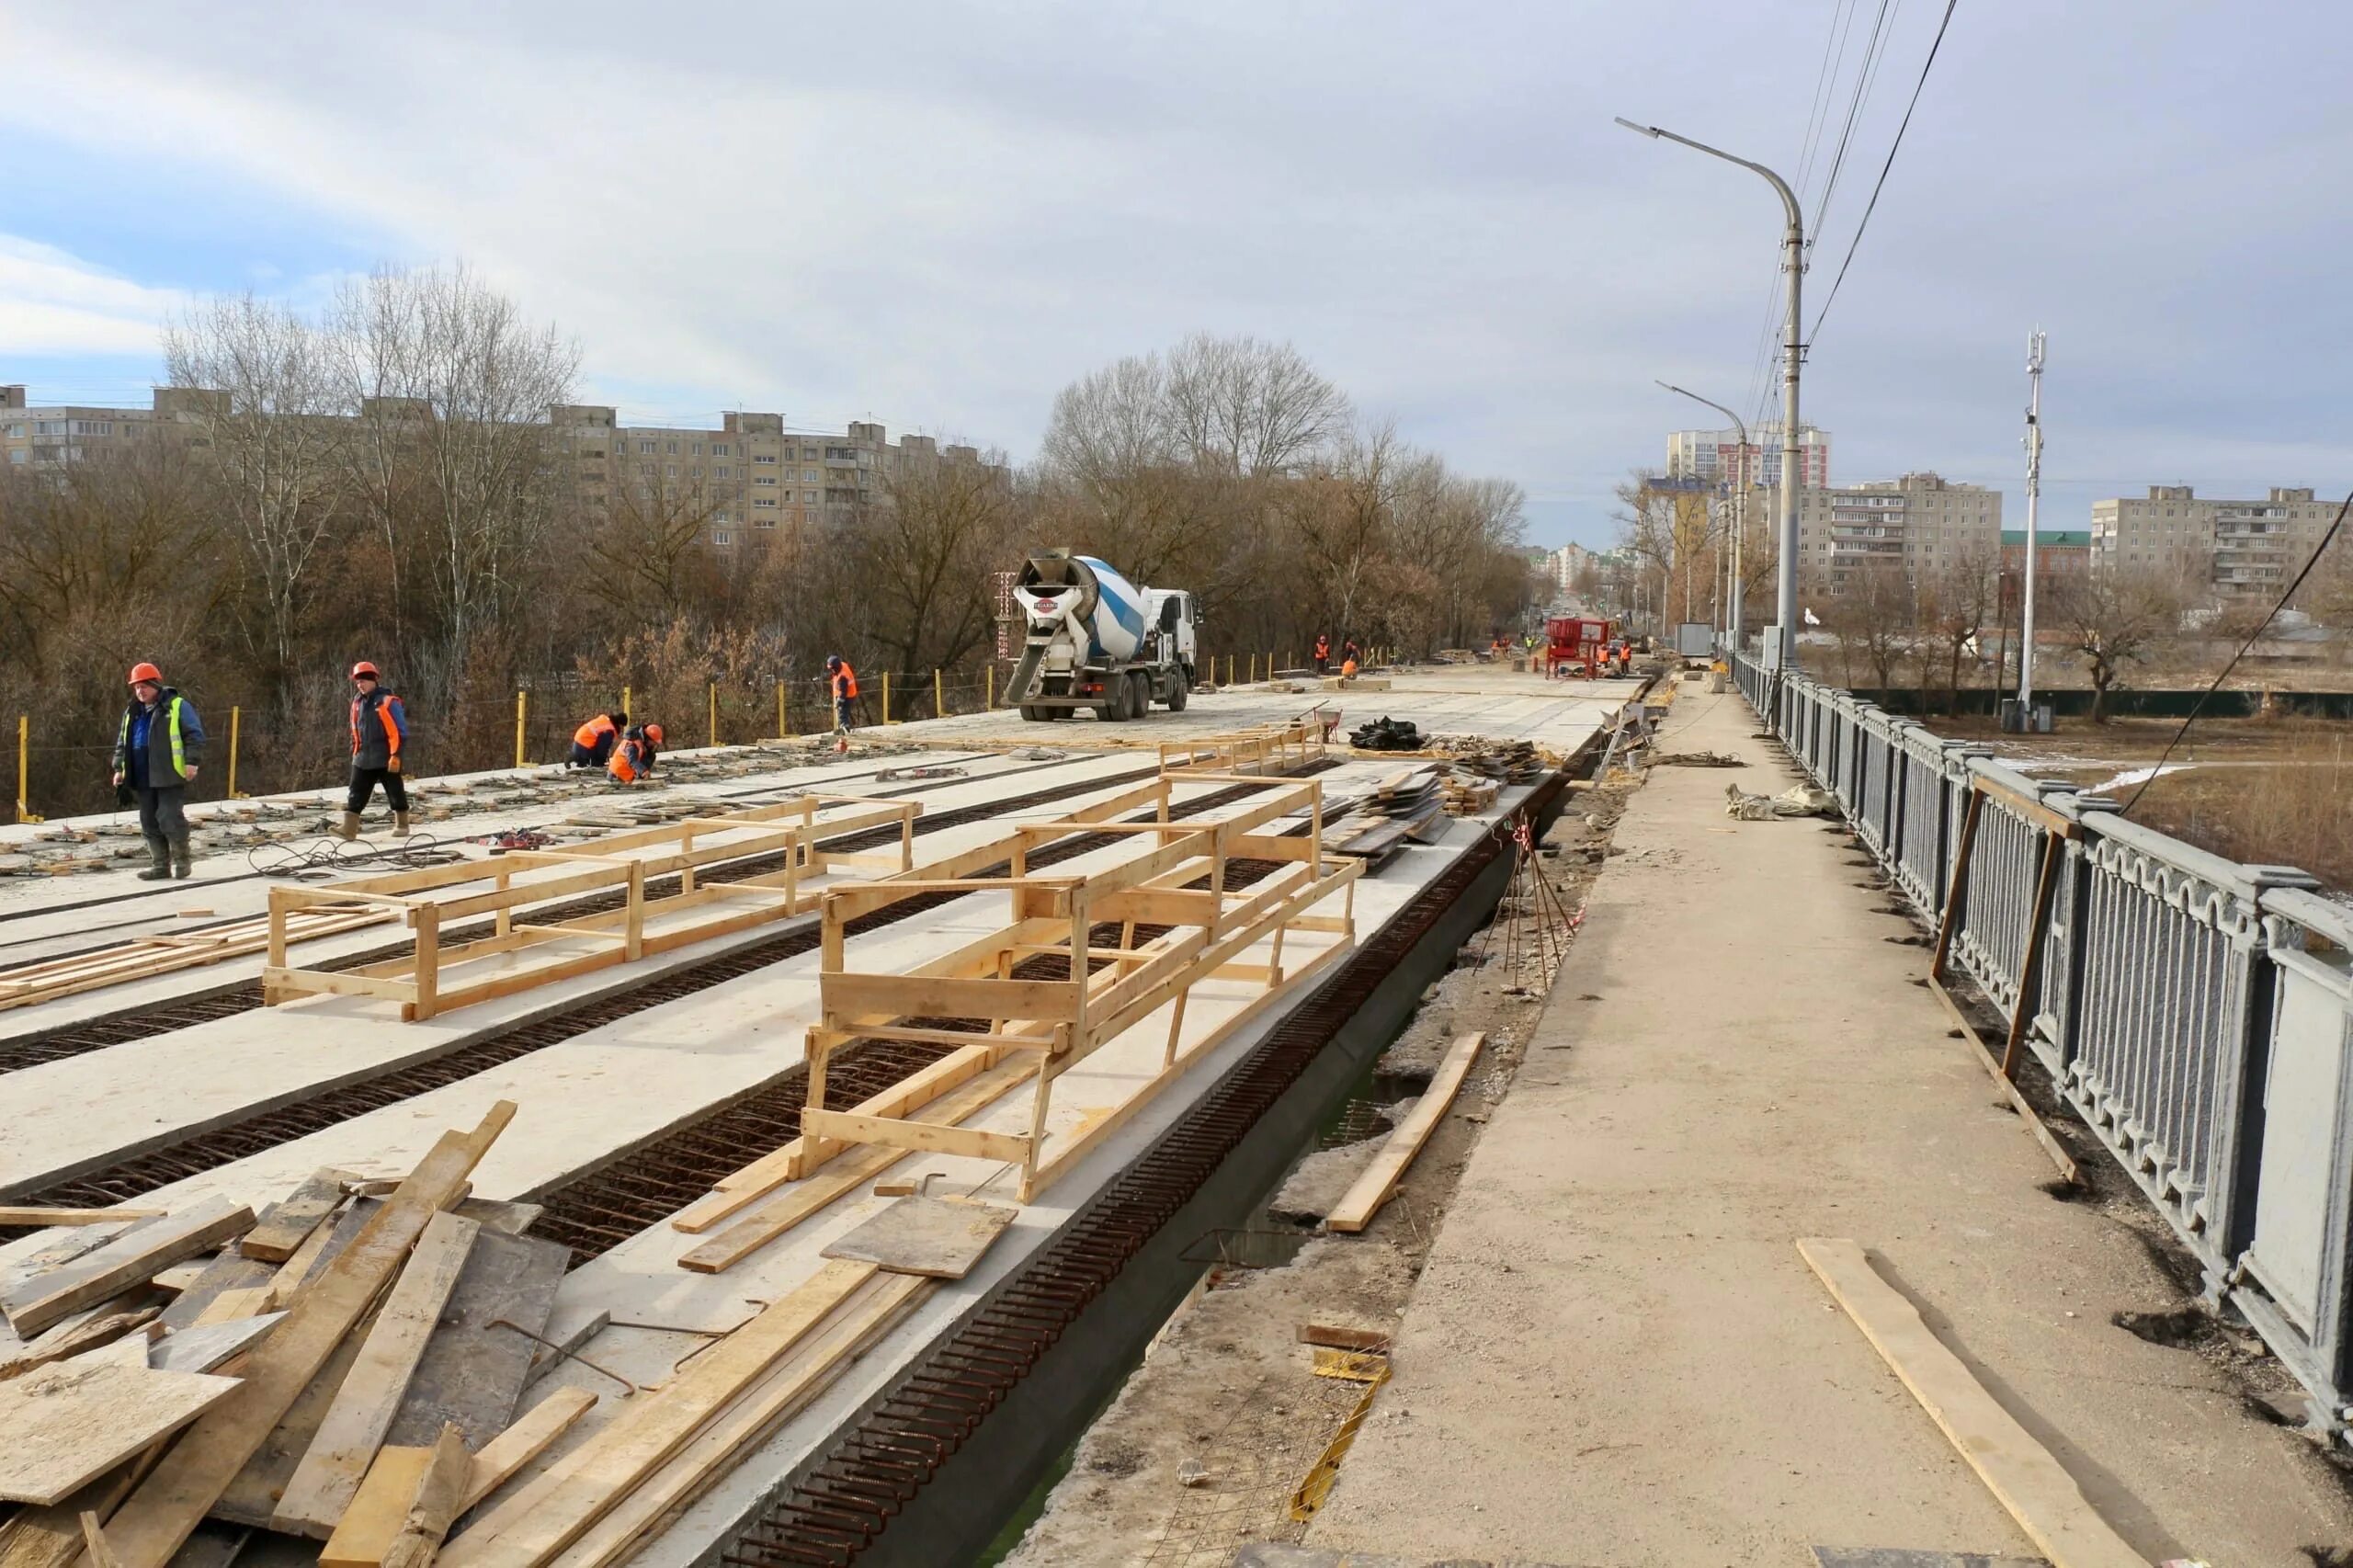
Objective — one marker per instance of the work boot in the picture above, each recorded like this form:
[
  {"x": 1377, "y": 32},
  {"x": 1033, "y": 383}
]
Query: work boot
[
  {"x": 348, "y": 829},
  {"x": 183, "y": 859},
  {"x": 159, "y": 861},
  {"x": 400, "y": 824}
]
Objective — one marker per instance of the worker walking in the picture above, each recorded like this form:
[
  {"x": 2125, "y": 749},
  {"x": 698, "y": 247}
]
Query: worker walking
[
  {"x": 634, "y": 757},
  {"x": 379, "y": 728},
  {"x": 593, "y": 742},
  {"x": 1323, "y": 654},
  {"x": 157, "y": 751},
  {"x": 843, "y": 681}
]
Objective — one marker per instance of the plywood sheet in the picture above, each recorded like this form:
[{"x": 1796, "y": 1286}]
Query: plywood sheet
[
  {"x": 68, "y": 1424},
  {"x": 940, "y": 1238}
]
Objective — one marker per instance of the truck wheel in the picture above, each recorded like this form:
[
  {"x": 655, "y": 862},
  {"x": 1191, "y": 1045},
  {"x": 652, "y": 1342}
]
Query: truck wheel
[
  {"x": 1139, "y": 695},
  {"x": 1178, "y": 692},
  {"x": 1029, "y": 713}
]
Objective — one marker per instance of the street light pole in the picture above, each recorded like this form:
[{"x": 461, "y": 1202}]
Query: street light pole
[
  {"x": 1785, "y": 576},
  {"x": 1739, "y": 507}
]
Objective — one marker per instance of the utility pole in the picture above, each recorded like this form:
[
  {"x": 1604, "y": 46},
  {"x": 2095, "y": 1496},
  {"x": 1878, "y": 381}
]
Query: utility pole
[
  {"x": 2033, "y": 496},
  {"x": 1739, "y": 504},
  {"x": 1785, "y": 576}
]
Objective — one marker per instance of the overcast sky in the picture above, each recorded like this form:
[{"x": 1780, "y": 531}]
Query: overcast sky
[{"x": 934, "y": 215}]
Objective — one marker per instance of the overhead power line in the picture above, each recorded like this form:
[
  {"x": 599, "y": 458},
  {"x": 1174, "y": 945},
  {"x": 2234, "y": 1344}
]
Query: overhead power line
[{"x": 1872, "y": 205}]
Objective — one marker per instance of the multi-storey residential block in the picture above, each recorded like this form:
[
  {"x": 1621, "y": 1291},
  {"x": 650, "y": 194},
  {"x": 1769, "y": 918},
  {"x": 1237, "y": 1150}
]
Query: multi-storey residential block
[
  {"x": 1717, "y": 456},
  {"x": 2224, "y": 548},
  {"x": 1920, "y": 524}
]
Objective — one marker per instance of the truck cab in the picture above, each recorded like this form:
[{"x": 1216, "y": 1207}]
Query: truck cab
[{"x": 1173, "y": 638}]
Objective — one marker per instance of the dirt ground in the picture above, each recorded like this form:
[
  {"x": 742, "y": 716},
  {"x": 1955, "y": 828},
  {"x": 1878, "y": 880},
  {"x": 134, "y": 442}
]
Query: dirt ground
[{"x": 1201, "y": 1451}]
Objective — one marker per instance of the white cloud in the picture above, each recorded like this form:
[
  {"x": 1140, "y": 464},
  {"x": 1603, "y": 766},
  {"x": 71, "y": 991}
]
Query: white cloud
[{"x": 53, "y": 304}]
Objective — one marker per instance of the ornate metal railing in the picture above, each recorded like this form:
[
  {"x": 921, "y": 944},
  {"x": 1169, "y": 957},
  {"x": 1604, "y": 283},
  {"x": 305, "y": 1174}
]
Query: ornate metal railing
[{"x": 2195, "y": 1012}]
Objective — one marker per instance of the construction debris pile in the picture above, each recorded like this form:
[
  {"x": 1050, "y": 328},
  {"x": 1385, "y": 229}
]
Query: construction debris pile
[
  {"x": 1406, "y": 805},
  {"x": 1515, "y": 762},
  {"x": 352, "y": 1367},
  {"x": 1387, "y": 735},
  {"x": 1798, "y": 800}
]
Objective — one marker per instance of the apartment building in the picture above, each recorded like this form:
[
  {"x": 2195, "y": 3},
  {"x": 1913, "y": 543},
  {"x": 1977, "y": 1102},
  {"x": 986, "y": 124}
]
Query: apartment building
[
  {"x": 1921, "y": 524},
  {"x": 1717, "y": 456},
  {"x": 2226, "y": 547},
  {"x": 1563, "y": 567},
  {"x": 50, "y": 434}
]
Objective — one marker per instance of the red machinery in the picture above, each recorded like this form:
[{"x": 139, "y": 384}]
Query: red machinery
[{"x": 1577, "y": 642}]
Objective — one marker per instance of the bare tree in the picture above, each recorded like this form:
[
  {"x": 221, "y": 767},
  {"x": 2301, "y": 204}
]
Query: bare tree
[
  {"x": 649, "y": 551},
  {"x": 2114, "y": 617},
  {"x": 268, "y": 406},
  {"x": 923, "y": 558},
  {"x": 1873, "y": 615},
  {"x": 1958, "y": 602},
  {"x": 1244, "y": 406}
]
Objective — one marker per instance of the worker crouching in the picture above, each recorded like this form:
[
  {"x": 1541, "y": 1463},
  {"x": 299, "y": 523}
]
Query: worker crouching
[
  {"x": 633, "y": 758},
  {"x": 593, "y": 742},
  {"x": 157, "y": 751},
  {"x": 379, "y": 728}
]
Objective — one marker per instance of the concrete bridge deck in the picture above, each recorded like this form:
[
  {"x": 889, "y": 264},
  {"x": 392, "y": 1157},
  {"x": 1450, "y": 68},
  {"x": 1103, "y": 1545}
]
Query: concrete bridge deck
[{"x": 1617, "y": 1355}]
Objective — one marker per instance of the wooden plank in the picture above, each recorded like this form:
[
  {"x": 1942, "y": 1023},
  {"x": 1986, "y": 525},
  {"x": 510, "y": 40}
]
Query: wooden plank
[
  {"x": 289, "y": 1223},
  {"x": 496, "y": 1461},
  {"x": 434, "y": 1508},
  {"x": 366, "y": 1531},
  {"x": 199, "y": 1349},
  {"x": 748, "y": 1421},
  {"x": 329, "y": 1475},
  {"x": 940, "y": 1238},
  {"x": 67, "y": 1426},
  {"x": 471, "y": 1373},
  {"x": 213, "y": 1546},
  {"x": 130, "y": 1259},
  {"x": 230, "y": 1306},
  {"x": 929, "y": 1136},
  {"x": 543, "y": 1517},
  {"x": 2019, "y": 1471},
  {"x": 1372, "y": 1189},
  {"x": 231, "y": 1270},
  {"x": 1340, "y": 1337},
  {"x": 93, "y": 1538},
  {"x": 251, "y": 1498},
  {"x": 13, "y": 1215},
  {"x": 928, "y": 997},
  {"x": 67, "y": 1340},
  {"x": 787, "y": 1209},
  {"x": 51, "y": 1536},
  {"x": 160, "y": 1514}
]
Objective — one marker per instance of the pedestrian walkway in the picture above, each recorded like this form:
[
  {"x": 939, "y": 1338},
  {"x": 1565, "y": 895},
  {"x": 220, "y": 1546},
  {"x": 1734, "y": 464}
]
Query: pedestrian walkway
[{"x": 1616, "y": 1357}]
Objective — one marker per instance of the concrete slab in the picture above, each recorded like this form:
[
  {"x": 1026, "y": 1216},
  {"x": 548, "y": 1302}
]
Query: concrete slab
[{"x": 1616, "y": 1344}]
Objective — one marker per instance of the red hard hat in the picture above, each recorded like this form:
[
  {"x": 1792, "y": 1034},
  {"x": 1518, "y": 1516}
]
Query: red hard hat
[
  {"x": 653, "y": 733},
  {"x": 363, "y": 668},
  {"x": 145, "y": 672}
]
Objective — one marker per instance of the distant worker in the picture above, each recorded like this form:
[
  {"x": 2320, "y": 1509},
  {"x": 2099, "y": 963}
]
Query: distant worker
[
  {"x": 1347, "y": 669},
  {"x": 593, "y": 742},
  {"x": 1350, "y": 654},
  {"x": 1323, "y": 654},
  {"x": 379, "y": 729},
  {"x": 842, "y": 682},
  {"x": 640, "y": 748},
  {"x": 155, "y": 755}
]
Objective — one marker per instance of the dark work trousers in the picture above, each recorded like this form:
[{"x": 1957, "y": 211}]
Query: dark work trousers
[
  {"x": 363, "y": 786},
  {"x": 160, "y": 815},
  {"x": 592, "y": 756}
]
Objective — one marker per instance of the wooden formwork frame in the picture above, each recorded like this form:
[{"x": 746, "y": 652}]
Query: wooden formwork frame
[
  {"x": 1066, "y": 1021},
  {"x": 1270, "y": 748},
  {"x": 143, "y": 957},
  {"x": 426, "y": 900}
]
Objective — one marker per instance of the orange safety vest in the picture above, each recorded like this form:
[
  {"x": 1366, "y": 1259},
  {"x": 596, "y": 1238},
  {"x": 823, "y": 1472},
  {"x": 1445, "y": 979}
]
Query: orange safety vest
[
  {"x": 1322, "y": 647},
  {"x": 845, "y": 683},
  {"x": 587, "y": 735},
  {"x": 628, "y": 761}
]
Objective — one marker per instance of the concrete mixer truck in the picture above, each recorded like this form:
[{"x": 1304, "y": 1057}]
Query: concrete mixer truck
[{"x": 1095, "y": 639}]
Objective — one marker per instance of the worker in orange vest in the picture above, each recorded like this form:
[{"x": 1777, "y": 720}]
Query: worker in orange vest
[
  {"x": 593, "y": 742},
  {"x": 634, "y": 757},
  {"x": 842, "y": 682},
  {"x": 1323, "y": 654},
  {"x": 378, "y": 731}
]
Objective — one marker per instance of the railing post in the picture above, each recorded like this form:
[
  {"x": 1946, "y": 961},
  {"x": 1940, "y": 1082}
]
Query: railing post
[
  {"x": 522, "y": 701},
  {"x": 989, "y": 701},
  {"x": 938, "y": 696},
  {"x": 886, "y": 697}
]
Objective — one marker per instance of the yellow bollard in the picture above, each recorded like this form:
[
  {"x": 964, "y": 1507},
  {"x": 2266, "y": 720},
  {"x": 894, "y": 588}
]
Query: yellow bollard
[
  {"x": 625, "y": 699},
  {"x": 886, "y": 697},
  {"x": 939, "y": 701},
  {"x": 1253, "y": 667},
  {"x": 24, "y": 768},
  {"x": 522, "y": 700},
  {"x": 990, "y": 701},
  {"x": 233, "y": 713},
  {"x": 1229, "y": 669},
  {"x": 714, "y": 713},
  {"x": 783, "y": 724}
]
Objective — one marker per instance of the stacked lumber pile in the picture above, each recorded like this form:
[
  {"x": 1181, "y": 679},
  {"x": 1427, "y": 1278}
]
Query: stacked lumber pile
[
  {"x": 351, "y": 1366},
  {"x": 1468, "y": 794},
  {"x": 1406, "y": 805},
  {"x": 1515, "y": 762}
]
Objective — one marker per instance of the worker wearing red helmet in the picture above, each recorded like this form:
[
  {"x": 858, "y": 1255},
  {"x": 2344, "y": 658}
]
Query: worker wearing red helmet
[
  {"x": 157, "y": 751},
  {"x": 379, "y": 729},
  {"x": 633, "y": 758}
]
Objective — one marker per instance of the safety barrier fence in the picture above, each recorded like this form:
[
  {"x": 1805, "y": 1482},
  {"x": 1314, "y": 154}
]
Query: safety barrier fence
[{"x": 2195, "y": 1012}]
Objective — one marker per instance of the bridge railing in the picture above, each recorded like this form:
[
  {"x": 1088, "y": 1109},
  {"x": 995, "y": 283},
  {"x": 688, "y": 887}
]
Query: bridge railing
[{"x": 2195, "y": 1012}]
